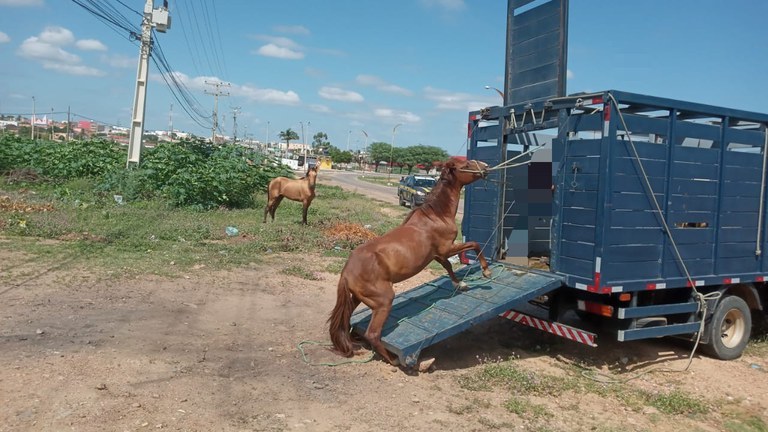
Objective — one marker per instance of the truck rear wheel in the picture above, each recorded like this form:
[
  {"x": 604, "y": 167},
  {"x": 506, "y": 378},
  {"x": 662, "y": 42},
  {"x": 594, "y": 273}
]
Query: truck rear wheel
[
  {"x": 400, "y": 198},
  {"x": 729, "y": 328}
]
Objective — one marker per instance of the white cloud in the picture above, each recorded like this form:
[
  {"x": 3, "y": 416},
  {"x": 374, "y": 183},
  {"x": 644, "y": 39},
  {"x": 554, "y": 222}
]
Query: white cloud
[
  {"x": 4, "y": 38},
  {"x": 453, "y": 100},
  {"x": 278, "y": 41},
  {"x": 72, "y": 69},
  {"x": 335, "y": 93},
  {"x": 57, "y": 36},
  {"x": 90, "y": 45},
  {"x": 21, "y": 2},
  {"x": 119, "y": 61},
  {"x": 272, "y": 50},
  {"x": 270, "y": 95},
  {"x": 36, "y": 49},
  {"x": 292, "y": 29},
  {"x": 569, "y": 74},
  {"x": 452, "y": 5},
  {"x": 252, "y": 93},
  {"x": 46, "y": 49},
  {"x": 319, "y": 108},
  {"x": 380, "y": 84},
  {"x": 401, "y": 116}
]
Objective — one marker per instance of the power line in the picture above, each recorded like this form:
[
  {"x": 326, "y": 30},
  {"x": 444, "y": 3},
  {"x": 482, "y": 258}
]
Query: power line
[{"x": 182, "y": 22}]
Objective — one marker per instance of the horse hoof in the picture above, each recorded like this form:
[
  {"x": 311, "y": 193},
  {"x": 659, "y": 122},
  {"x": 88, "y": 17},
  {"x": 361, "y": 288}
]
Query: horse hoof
[
  {"x": 395, "y": 362},
  {"x": 461, "y": 286},
  {"x": 425, "y": 365},
  {"x": 487, "y": 273}
]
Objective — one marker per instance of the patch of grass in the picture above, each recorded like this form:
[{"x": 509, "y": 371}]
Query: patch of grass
[
  {"x": 335, "y": 267},
  {"x": 300, "y": 272},
  {"x": 521, "y": 383},
  {"x": 676, "y": 402},
  {"x": 507, "y": 374},
  {"x": 392, "y": 182},
  {"x": 748, "y": 424},
  {"x": 525, "y": 408},
  {"x": 153, "y": 237},
  {"x": 758, "y": 345}
]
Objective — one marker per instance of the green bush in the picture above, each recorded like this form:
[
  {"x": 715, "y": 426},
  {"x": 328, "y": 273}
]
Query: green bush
[
  {"x": 60, "y": 160},
  {"x": 189, "y": 173}
]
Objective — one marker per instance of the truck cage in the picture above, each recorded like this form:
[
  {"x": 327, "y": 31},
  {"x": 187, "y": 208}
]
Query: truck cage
[{"x": 704, "y": 165}]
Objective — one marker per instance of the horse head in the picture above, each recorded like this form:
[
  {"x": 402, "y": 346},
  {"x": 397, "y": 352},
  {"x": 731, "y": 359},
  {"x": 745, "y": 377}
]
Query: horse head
[
  {"x": 465, "y": 171},
  {"x": 312, "y": 174}
]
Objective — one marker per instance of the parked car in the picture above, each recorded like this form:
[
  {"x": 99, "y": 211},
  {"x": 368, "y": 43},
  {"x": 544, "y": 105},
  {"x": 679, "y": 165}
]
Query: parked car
[{"x": 413, "y": 189}]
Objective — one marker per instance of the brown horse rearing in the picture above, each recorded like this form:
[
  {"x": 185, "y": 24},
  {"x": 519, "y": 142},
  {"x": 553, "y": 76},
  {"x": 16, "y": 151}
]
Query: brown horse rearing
[
  {"x": 428, "y": 233},
  {"x": 302, "y": 190}
]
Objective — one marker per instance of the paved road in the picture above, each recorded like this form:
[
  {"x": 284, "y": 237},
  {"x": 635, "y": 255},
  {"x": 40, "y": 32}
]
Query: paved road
[{"x": 348, "y": 180}]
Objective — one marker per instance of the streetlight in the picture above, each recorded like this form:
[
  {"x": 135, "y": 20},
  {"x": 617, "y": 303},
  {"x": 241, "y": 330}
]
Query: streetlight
[
  {"x": 392, "y": 150},
  {"x": 365, "y": 148},
  {"x": 349, "y": 133},
  {"x": 501, "y": 93},
  {"x": 303, "y": 143},
  {"x": 33, "y": 117}
]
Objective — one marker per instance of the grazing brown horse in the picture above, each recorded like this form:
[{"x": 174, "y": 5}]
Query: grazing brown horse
[
  {"x": 427, "y": 234},
  {"x": 302, "y": 190}
]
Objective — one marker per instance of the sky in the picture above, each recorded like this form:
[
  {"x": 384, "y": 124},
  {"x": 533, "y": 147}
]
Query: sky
[{"x": 350, "y": 68}]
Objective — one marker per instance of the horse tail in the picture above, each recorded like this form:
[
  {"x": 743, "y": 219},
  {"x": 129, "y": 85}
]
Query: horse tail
[{"x": 339, "y": 320}]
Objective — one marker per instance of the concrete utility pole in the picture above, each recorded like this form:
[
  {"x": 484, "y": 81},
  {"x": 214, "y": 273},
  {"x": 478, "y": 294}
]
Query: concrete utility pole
[
  {"x": 216, "y": 93},
  {"x": 33, "y": 117},
  {"x": 159, "y": 19},
  {"x": 170, "y": 124},
  {"x": 266, "y": 140},
  {"x": 235, "y": 110},
  {"x": 69, "y": 113}
]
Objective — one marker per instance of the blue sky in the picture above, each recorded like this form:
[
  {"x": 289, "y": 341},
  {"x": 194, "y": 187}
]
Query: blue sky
[{"x": 343, "y": 66}]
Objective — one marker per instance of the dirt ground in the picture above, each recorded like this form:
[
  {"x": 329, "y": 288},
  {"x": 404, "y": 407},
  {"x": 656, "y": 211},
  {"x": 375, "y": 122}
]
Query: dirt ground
[{"x": 217, "y": 351}]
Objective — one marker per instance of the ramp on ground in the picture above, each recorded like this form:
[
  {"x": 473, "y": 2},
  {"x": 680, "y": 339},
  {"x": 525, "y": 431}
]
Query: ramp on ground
[{"x": 435, "y": 310}]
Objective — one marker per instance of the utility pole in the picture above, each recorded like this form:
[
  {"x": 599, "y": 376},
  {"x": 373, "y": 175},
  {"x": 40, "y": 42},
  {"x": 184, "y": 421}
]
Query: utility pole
[
  {"x": 266, "y": 140},
  {"x": 235, "y": 110},
  {"x": 33, "y": 118},
  {"x": 170, "y": 123},
  {"x": 216, "y": 93},
  {"x": 69, "y": 114},
  {"x": 159, "y": 19},
  {"x": 52, "y": 123}
]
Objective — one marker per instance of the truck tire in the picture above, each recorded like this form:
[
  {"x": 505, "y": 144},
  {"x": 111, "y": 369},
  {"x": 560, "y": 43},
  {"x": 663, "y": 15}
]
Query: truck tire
[
  {"x": 729, "y": 329},
  {"x": 400, "y": 198},
  {"x": 413, "y": 202}
]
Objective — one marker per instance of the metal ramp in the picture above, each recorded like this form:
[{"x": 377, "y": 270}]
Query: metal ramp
[{"x": 435, "y": 310}]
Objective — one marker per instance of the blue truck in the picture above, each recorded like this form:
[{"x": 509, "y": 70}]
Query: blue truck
[
  {"x": 657, "y": 226},
  {"x": 619, "y": 214}
]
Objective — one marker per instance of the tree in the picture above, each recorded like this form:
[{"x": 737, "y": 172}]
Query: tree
[
  {"x": 380, "y": 152},
  {"x": 339, "y": 156},
  {"x": 423, "y": 155},
  {"x": 320, "y": 143},
  {"x": 288, "y": 135}
]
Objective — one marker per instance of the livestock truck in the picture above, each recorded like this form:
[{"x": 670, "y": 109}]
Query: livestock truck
[{"x": 652, "y": 222}]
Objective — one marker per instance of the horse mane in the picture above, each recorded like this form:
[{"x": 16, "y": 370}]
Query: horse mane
[{"x": 435, "y": 203}]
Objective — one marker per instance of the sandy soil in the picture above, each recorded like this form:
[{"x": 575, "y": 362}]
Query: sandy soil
[{"x": 217, "y": 351}]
